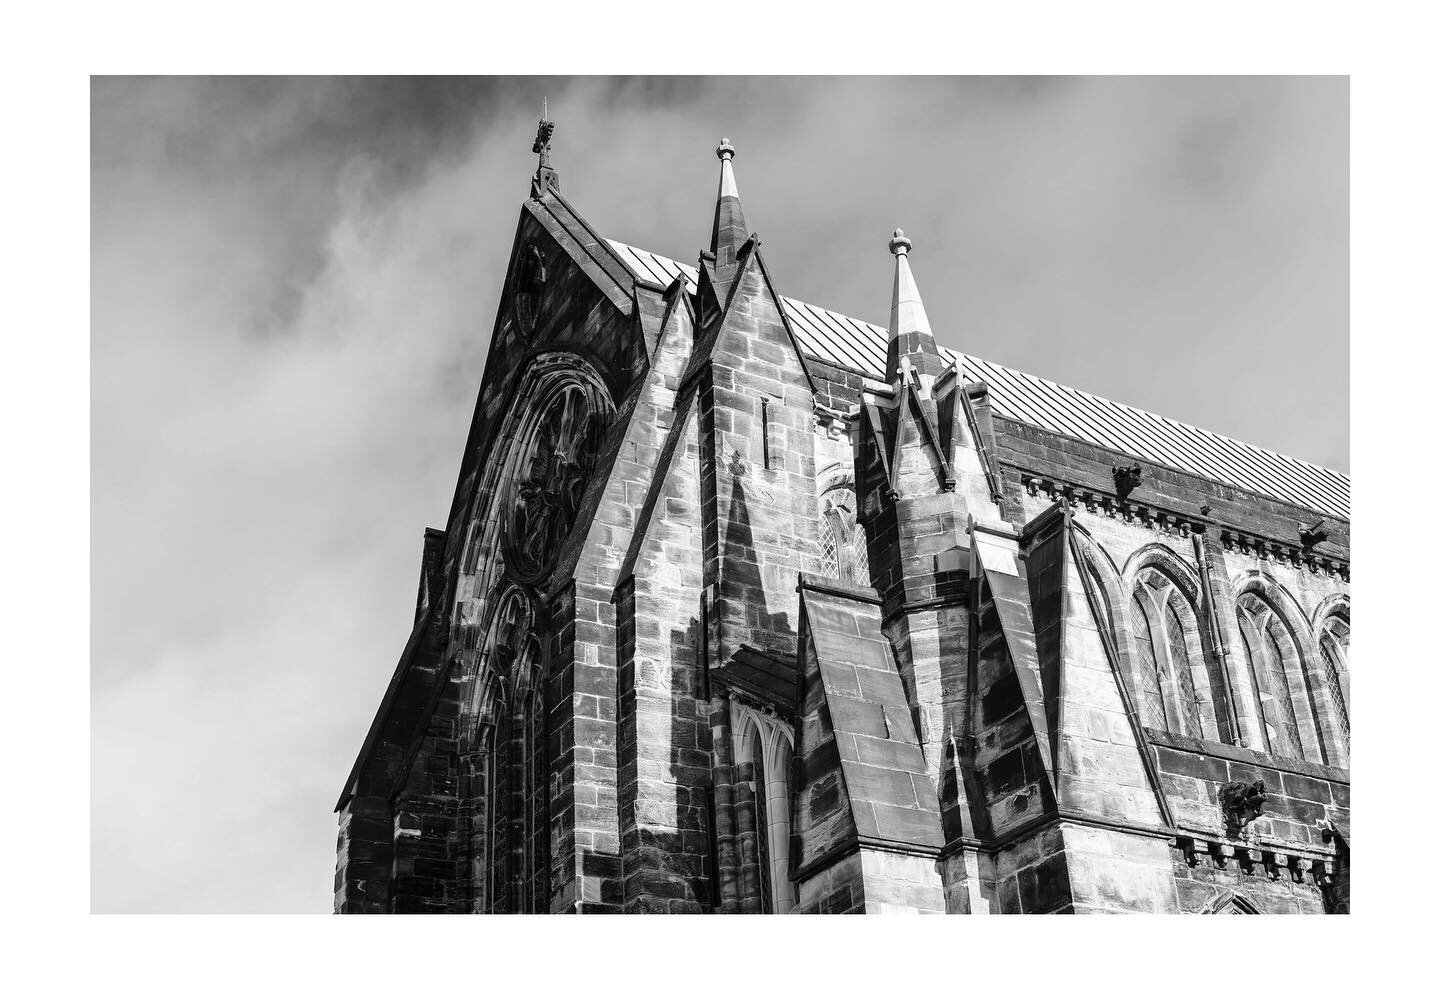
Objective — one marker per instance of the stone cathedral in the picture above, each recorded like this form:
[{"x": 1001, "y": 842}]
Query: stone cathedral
[{"x": 747, "y": 606}]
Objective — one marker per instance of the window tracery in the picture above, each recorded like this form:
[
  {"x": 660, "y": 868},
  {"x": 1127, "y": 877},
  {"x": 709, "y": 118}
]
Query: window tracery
[
  {"x": 1147, "y": 671},
  {"x": 1334, "y": 651},
  {"x": 528, "y": 498},
  {"x": 1179, "y": 683},
  {"x": 829, "y": 551},
  {"x": 766, "y": 743},
  {"x": 844, "y": 554},
  {"x": 554, "y": 469},
  {"x": 1285, "y": 681}
]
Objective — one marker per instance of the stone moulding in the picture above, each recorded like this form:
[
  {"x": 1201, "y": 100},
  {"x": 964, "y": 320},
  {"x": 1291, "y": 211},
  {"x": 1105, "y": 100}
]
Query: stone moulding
[
  {"x": 853, "y": 845},
  {"x": 1274, "y": 862},
  {"x": 1171, "y": 522}
]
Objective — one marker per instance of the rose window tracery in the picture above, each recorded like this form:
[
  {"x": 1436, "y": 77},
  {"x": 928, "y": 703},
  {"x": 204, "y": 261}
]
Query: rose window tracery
[{"x": 551, "y": 474}]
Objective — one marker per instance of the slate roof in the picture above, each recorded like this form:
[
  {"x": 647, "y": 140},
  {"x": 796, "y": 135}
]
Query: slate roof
[{"x": 1027, "y": 398}]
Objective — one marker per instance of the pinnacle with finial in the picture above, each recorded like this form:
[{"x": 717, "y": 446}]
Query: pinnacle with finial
[
  {"x": 729, "y": 231},
  {"x": 911, "y": 340}
]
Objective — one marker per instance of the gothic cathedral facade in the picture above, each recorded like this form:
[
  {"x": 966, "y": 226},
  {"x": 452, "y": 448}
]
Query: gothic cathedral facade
[{"x": 746, "y": 606}]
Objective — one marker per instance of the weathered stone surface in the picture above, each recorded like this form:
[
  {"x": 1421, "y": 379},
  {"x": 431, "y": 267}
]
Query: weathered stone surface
[{"x": 1002, "y": 685}]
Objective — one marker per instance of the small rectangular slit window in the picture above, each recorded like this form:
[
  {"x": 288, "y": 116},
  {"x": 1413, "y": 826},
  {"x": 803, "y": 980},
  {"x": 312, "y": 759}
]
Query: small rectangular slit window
[{"x": 765, "y": 429}]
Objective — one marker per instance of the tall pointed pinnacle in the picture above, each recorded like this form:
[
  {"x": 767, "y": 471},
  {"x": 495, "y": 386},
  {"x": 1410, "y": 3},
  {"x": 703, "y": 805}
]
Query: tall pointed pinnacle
[
  {"x": 910, "y": 335},
  {"x": 729, "y": 231}
]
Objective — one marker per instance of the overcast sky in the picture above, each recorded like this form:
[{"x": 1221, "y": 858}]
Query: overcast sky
[{"x": 294, "y": 282}]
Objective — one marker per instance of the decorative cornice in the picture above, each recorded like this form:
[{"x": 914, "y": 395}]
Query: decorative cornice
[
  {"x": 1171, "y": 522},
  {"x": 1264, "y": 548},
  {"x": 1253, "y": 858}
]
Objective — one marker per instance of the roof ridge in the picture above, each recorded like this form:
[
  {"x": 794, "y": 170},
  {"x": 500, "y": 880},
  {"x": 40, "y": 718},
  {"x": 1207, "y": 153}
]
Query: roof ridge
[
  {"x": 1156, "y": 415},
  {"x": 824, "y": 343}
]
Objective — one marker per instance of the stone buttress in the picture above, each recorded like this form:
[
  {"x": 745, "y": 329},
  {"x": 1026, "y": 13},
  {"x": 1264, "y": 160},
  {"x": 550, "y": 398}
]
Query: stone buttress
[{"x": 716, "y": 624}]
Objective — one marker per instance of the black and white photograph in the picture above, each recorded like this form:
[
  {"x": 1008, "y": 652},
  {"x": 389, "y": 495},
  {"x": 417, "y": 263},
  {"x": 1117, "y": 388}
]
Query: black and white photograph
[
  {"x": 758, "y": 510},
  {"x": 671, "y": 465}
]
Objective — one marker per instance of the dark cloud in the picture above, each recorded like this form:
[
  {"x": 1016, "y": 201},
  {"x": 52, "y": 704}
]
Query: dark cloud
[{"x": 293, "y": 283}]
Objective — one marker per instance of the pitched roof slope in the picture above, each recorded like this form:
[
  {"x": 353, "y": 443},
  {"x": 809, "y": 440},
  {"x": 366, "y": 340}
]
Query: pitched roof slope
[{"x": 856, "y": 344}]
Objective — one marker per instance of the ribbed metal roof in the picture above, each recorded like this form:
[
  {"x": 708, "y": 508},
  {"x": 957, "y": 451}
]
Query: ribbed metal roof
[{"x": 856, "y": 344}]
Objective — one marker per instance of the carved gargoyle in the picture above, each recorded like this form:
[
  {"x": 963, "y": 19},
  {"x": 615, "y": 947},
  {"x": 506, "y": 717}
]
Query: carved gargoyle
[
  {"x": 1241, "y": 803},
  {"x": 1313, "y": 536},
  {"x": 1332, "y": 835},
  {"x": 1127, "y": 479}
]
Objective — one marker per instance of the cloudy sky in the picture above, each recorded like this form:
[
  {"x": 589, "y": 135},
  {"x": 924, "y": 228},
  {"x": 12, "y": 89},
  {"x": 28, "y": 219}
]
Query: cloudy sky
[{"x": 293, "y": 285}]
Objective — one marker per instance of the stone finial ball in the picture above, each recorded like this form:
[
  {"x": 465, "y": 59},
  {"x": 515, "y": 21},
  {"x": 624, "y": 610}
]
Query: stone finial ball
[
  {"x": 725, "y": 150},
  {"x": 899, "y": 244}
]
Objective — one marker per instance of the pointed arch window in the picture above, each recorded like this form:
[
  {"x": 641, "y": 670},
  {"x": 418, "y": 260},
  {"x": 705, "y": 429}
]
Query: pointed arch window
[
  {"x": 857, "y": 556},
  {"x": 1334, "y": 653},
  {"x": 1230, "y": 903},
  {"x": 764, "y": 742},
  {"x": 1146, "y": 673},
  {"x": 1180, "y": 684},
  {"x": 511, "y": 854},
  {"x": 1180, "y": 661},
  {"x": 1289, "y": 725},
  {"x": 843, "y": 551},
  {"x": 1285, "y": 689},
  {"x": 829, "y": 545}
]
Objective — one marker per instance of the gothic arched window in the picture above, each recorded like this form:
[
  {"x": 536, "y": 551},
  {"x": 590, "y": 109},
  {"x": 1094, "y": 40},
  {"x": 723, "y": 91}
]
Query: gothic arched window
[
  {"x": 1146, "y": 673},
  {"x": 1334, "y": 653},
  {"x": 511, "y": 851},
  {"x": 1230, "y": 903},
  {"x": 1274, "y": 653},
  {"x": 532, "y": 817},
  {"x": 843, "y": 552},
  {"x": 1283, "y": 691},
  {"x": 856, "y": 556},
  {"x": 764, "y": 743},
  {"x": 1177, "y": 679},
  {"x": 829, "y": 545}
]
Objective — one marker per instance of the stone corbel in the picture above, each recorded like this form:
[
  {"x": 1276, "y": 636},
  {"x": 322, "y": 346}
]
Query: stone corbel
[
  {"x": 1220, "y": 853},
  {"x": 1300, "y": 867},
  {"x": 1249, "y": 859},
  {"x": 1189, "y": 849}
]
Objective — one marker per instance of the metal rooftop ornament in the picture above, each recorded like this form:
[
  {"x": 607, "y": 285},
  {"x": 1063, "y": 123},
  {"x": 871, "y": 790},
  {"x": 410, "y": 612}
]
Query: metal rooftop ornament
[{"x": 546, "y": 178}]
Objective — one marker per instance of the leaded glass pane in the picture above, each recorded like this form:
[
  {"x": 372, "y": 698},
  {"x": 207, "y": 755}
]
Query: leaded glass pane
[
  {"x": 1289, "y": 731},
  {"x": 829, "y": 559},
  {"x": 1147, "y": 675},
  {"x": 1332, "y": 683},
  {"x": 1180, "y": 661}
]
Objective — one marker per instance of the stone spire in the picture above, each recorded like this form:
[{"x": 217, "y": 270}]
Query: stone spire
[
  {"x": 910, "y": 335},
  {"x": 729, "y": 230}
]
